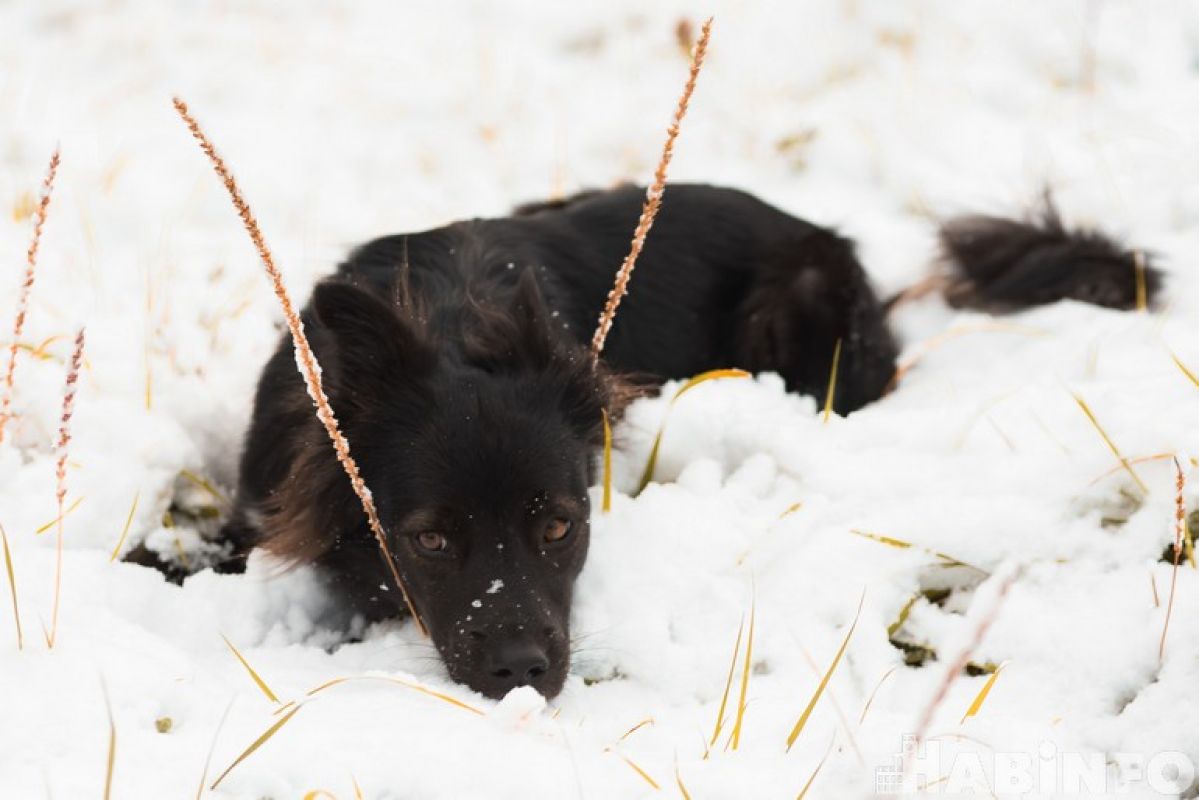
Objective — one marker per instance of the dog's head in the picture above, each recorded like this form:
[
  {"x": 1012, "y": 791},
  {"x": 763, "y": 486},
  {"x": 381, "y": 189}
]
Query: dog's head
[{"x": 479, "y": 449}]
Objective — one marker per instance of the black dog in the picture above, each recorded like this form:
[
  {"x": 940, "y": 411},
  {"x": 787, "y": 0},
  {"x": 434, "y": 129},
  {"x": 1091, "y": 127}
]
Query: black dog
[{"x": 457, "y": 362}]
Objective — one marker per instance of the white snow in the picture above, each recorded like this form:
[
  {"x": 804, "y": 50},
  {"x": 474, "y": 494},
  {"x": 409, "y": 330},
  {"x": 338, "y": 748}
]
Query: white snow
[{"x": 347, "y": 122}]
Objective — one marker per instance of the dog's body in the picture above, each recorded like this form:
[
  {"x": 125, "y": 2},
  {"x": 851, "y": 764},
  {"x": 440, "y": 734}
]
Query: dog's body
[{"x": 457, "y": 362}]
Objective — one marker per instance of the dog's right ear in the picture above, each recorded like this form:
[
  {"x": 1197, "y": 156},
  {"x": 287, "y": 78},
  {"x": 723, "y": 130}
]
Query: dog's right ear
[{"x": 373, "y": 347}]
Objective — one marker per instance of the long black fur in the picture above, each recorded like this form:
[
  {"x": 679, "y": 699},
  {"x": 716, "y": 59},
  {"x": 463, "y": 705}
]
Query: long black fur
[{"x": 1001, "y": 265}]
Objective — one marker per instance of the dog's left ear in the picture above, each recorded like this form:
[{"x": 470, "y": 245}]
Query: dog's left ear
[{"x": 532, "y": 319}]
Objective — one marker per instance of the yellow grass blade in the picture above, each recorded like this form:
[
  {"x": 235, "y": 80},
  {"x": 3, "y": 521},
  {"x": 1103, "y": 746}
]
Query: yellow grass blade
[
  {"x": 904, "y": 612},
  {"x": 282, "y": 708},
  {"x": 804, "y": 791},
  {"x": 116, "y": 551},
  {"x": 357, "y": 788},
  {"x": 981, "y": 697},
  {"x": 735, "y": 739},
  {"x": 319, "y": 794},
  {"x": 648, "y": 474},
  {"x": 259, "y": 742},
  {"x": 183, "y": 559},
  {"x": 1134, "y": 461},
  {"x": 890, "y": 541},
  {"x": 635, "y": 728},
  {"x": 112, "y": 748},
  {"x": 678, "y": 779},
  {"x": 953, "y": 333},
  {"x": 211, "y": 749},
  {"x": 791, "y": 509},
  {"x": 56, "y": 520},
  {"x": 1138, "y": 266},
  {"x": 1192, "y": 377},
  {"x": 807, "y": 712},
  {"x": 39, "y": 351},
  {"x": 728, "y": 684},
  {"x": 607, "y": 504},
  {"x": 256, "y": 677},
  {"x": 1189, "y": 543},
  {"x": 644, "y": 775},
  {"x": 204, "y": 484},
  {"x": 1111, "y": 445},
  {"x": 12, "y": 588},
  {"x": 832, "y": 381},
  {"x": 1179, "y": 538},
  {"x": 445, "y": 698},
  {"x": 877, "y": 686}
]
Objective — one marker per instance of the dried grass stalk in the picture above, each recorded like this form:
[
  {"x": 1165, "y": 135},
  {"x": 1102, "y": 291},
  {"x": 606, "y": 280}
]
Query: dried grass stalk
[
  {"x": 258, "y": 681},
  {"x": 824, "y": 681},
  {"x": 257, "y": 743},
  {"x": 12, "y": 588},
  {"x": 981, "y": 697},
  {"x": 653, "y": 197},
  {"x": 728, "y": 685},
  {"x": 955, "y": 669},
  {"x": 1180, "y": 522},
  {"x": 645, "y": 776},
  {"x": 211, "y": 749},
  {"x": 1124, "y": 462},
  {"x": 305, "y": 358},
  {"x": 832, "y": 381},
  {"x": 43, "y": 207},
  {"x": 116, "y": 551},
  {"x": 735, "y": 738},
  {"x": 111, "y": 762},
  {"x": 60, "y": 473}
]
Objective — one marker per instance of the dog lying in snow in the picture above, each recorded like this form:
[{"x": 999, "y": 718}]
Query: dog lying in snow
[{"x": 457, "y": 362}]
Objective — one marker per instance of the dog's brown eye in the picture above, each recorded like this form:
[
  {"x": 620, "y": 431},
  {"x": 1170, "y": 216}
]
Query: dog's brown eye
[
  {"x": 432, "y": 541},
  {"x": 557, "y": 529}
]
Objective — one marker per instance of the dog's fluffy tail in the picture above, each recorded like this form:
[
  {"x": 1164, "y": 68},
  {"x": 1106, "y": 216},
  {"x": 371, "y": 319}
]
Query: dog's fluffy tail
[{"x": 1001, "y": 265}]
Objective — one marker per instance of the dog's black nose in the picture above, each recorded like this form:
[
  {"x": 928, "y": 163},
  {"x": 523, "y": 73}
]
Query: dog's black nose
[{"x": 518, "y": 662}]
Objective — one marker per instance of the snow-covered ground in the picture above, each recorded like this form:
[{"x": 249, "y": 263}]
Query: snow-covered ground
[{"x": 346, "y": 122}]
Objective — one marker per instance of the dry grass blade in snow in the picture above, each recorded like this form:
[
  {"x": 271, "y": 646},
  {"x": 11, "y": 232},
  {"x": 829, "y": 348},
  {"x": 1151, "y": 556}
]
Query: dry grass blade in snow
[
  {"x": 1180, "y": 523},
  {"x": 653, "y": 198},
  {"x": 305, "y": 359},
  {"x": 211, "y": 749},
  {"x": 807, "y": 712},
  {"x": 651, "y": 463},
  {"x": 1138, "y": 266},
  {"x": 12, "y": 588},
  {"x": 900, "y": 544},
  {"x": 1191, "y": 376},
  {"x": 981, "y": 697},
  {"x": 955, "y": 669},
  {"x": 60, "y": 474},
  {"x": 257, "y": 743},
  {"x": 816, "y": 772},
  {"x": 43, "y": 207},
  {"x": 112, "y": 747},
  {"x": 728, "y": 685},
  {"x": 258, "y": 681},
  {"x": 645, "y": 776},
  {"x": 678, "y": 779},
  {"x": 735, "y": 738},
  {"x": 1086, "y": 409},
  {"x": 832, "y": 381},
  {"x": 116, "y": 551},
  {"x": 607, "y": 502},
  {"x": 445, "y": 698}
]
